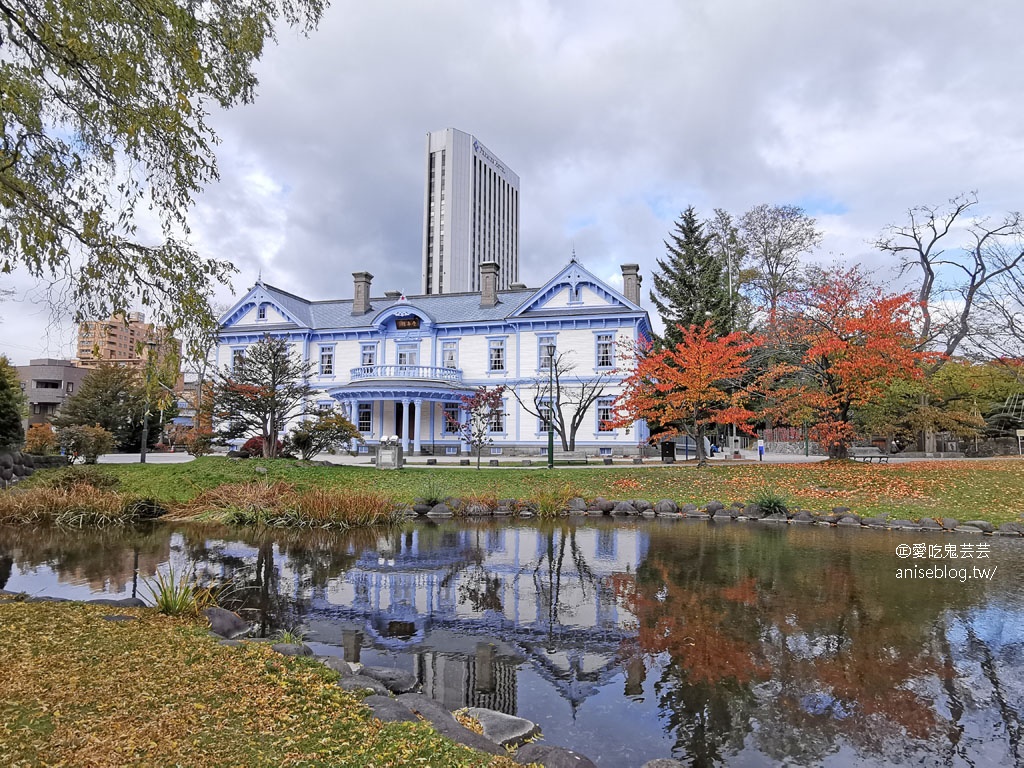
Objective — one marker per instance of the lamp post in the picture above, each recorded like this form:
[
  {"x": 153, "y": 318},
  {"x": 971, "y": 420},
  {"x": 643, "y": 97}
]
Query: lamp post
[
  {"x": 150, "y": 346},
  {"x": 145, "y": 430},
  {"x": 550, "y": 352}
]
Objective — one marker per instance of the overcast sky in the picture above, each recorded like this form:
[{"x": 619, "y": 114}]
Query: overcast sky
[{"x": 616, "y": 116}]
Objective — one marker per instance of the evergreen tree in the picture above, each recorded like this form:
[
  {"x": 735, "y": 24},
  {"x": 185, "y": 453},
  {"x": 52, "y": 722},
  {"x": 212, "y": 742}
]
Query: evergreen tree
[
  {"x": 691, "y": 287},
  {"x": 261, "y": 392},
  {"x": 12, "y": 406},
  {"x": 111, "y": 397}
]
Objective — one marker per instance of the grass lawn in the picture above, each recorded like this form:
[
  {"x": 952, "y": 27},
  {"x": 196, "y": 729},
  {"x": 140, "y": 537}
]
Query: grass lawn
[
  {"x": 988, "y": 489},
  {"x": 78, "y": 690}
]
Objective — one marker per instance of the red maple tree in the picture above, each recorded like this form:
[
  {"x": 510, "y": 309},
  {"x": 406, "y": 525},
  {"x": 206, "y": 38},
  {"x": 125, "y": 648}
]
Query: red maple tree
[
  {"x": 849, "y": 342},
  {"x": 686, "y": 388}
]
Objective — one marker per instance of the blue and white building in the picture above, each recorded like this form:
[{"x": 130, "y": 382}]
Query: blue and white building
[{"x": 399, "y": 365}]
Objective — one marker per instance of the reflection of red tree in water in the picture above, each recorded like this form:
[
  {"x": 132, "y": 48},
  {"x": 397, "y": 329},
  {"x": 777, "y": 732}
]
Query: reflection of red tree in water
[
  {"x": 837, "y": 648},
  {"x": 696, "y": 628}
]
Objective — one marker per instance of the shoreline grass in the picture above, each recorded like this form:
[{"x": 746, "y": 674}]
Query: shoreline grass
[
  {"x": 986, "y": 489},
  {"x": 79, "y": 690}
]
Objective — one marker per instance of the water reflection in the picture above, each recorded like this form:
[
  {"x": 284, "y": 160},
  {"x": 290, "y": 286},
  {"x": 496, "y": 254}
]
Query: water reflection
[{"x": 716, "y": 644}]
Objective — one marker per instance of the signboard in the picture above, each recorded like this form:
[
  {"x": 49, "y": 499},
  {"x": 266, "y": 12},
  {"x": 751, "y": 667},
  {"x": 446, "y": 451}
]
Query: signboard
[
  {"x": 1020, "y": 433},
  {"x": 407, "y": 323}
]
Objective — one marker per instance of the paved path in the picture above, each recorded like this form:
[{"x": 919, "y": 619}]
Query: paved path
[
  {"x": 151, "y": 458},
  {"x": 511, "y": 462}
]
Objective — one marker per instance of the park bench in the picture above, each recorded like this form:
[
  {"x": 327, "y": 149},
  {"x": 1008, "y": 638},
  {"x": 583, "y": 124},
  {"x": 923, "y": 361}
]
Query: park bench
[
  {"x": 571, "y": 457},
  {"x": 868, "y": 454}
]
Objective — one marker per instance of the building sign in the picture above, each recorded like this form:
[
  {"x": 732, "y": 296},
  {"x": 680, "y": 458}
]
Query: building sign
[
  {"x": 480, "y": 150},
  {"x": 407, "y": 323}
]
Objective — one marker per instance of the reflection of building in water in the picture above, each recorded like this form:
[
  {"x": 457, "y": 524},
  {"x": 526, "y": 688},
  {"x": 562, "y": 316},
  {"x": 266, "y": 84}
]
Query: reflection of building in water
[{"x": 544, "y": 595}]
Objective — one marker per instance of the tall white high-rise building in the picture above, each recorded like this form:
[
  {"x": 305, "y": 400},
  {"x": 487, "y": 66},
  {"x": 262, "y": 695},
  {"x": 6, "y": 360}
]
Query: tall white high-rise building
[{"x": 470, "y": 214}]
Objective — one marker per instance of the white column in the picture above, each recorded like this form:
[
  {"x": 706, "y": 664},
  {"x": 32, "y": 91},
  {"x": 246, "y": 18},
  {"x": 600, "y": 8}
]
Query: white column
[
  {"x": 462, "y": 420},
  {"x": 405, "y": 424},
  {"x": 416, "y": 428}
]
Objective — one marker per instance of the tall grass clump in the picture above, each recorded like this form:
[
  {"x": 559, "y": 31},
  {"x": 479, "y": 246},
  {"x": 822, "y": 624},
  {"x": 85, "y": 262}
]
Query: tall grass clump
[
  {"x": 434, "y": 492},
  {"x": 279, "y": 504},
  {"x": 334, "y": 508},
  {"x": 552, "y": 502},
  {"x": 180, "y": 594},
  {"x": 770, "y": 501},
  {"x": 476, "y": 503},
  {"x": 78, "y": 507}
]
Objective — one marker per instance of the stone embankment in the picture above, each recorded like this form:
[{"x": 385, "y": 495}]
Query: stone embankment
[
  {"x": 393, "y": 696},
  {"x": 713, "y": 510},
  {"x": 15, "y": 465}
]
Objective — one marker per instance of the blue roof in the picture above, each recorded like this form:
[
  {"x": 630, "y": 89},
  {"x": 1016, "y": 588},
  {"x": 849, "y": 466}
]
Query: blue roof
[{"x": 440, "y": 309}]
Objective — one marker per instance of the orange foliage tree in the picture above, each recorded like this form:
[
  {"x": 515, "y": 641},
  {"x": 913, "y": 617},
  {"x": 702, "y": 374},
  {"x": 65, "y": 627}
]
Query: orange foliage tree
[
  {"x": 849, "y": 343},
  {"x": 688, "y": 387}
]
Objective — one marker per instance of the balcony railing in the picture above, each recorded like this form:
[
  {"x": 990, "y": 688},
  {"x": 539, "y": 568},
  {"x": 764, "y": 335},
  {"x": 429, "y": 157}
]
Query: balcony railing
[{"x": 427, "y": 372}]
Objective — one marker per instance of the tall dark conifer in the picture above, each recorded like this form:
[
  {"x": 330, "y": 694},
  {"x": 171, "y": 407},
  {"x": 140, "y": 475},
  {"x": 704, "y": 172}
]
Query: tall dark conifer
[
  {"x": 691, "y": 286},
  {"x": 12, "y": 406}
]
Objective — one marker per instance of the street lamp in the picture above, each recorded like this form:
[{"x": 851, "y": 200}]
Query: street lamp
[
  {"x": 150, "y": 346},
  {"x": 549, "y": 350}
]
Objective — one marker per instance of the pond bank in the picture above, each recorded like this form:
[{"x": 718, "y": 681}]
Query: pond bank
[{"x": 84, "y": 687}]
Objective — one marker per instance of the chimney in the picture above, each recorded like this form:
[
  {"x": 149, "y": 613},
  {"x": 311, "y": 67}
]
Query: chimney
[
  {"x": 488, "y": 283},
  {"x": 631, "y": 280},
  {"x": 361, "y": 293}
]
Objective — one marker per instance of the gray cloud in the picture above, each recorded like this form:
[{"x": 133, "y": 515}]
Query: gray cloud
[{"x": 616, "y": 117}]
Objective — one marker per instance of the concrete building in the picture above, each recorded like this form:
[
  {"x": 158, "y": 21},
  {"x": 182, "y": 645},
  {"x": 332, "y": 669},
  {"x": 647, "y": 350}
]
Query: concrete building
[
  {"x": 398, "y": 365},
  {"x": 123, "y": 341},
  {"x": 47, "y": 384},
  {"x": 470, "y": 215}
]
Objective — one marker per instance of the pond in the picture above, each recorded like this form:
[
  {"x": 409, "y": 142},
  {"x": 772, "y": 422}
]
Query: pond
[{"x": 740, "y": 644}]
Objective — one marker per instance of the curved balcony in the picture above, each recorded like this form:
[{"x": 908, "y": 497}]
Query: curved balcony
[{"x": 421, "y": 372}]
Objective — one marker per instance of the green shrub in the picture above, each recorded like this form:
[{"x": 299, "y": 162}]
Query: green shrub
[
  {"x": 434, "y": 492},
  {"x": 770, "y": 501},
  {"x": 85, "y": 442},
  {"x": 551, "y": 502},
  {"x": 293, "y": 636},
  {"x": 180, "y": 594}
]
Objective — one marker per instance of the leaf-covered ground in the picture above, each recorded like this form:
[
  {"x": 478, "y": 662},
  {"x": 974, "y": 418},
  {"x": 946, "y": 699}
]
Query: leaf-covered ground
[
  {"x": 988, "y": 489},
  {"x": 77, "y": 690}
]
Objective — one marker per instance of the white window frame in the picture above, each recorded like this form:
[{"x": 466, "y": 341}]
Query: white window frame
[
  {"x": 494, "y": 345},
  {"x": 450, "y": 344},
  {"x": 603, "y": 402},
  {"x": 237, "y": 354},
  {"x": 543, "y": 361},
  {"x": 545, "y": 404},
  {"x": 407, "y": 348},
  {"x": 598, "y": 336},
  {"x": 261, "y": 312},
  {"x": 503, "y": 415},
  {"x": 362, "y": 408},
  {"x": 368, "y": 349},
  {"x": 327, "y": 365},
  {"x": 447, "y": 428}
]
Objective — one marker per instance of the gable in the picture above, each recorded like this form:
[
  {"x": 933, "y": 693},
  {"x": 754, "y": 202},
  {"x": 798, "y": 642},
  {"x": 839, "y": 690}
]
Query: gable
[
  {"x": 575, "y": 289},
  {"x": 264, "y": 307}
]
